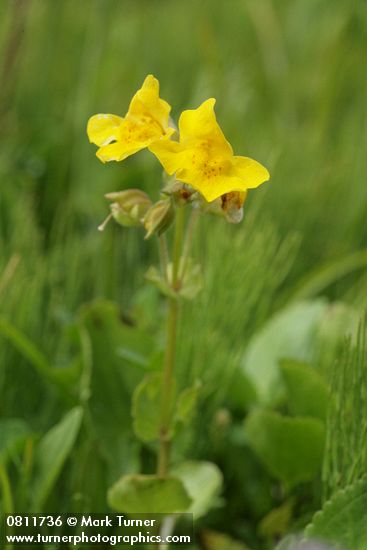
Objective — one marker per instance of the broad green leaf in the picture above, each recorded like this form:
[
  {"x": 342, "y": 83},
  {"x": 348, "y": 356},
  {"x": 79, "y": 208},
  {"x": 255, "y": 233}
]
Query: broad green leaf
[
  {"x": 126, "y": 344},
  {"x": 119, "y": 353},
  {"x": 220, "y": 541},
  {"x": 307, "y": 392},
  {"x": 294, "y": 542},
  {"x": 146, "y": 305},
  {"x": 290, "y": 448},
  {"x": 276, "y": 522},
  {"x": 139, "y": 494},
  {"x": 203, "y": 482},
  {"x": 242, "y": 394},
  {"x": 51, "y": 454},
  {"x": 186, "y": 403},
  {"x": 339, "y": 321},
  {"x": 343, "y": 518},
  {"x": 13, "y": 432},
  {"x": 289, "y": 543},
  {"x": 290, "y": 333},
  {"x": 146, "y": 408}
]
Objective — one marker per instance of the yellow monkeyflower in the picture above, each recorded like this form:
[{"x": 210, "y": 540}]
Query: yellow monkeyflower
[
  {"x": 204, "y": 159},
  {"x": 146, "y": 122}
]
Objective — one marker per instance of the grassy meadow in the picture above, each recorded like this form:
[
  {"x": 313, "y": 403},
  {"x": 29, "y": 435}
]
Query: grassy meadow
[{"x": 276, "y": 336}]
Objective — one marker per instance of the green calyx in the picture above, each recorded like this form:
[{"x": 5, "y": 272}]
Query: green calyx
[
  {"x": 159, "y": 217},
  {"x": 129, "y": 207}
]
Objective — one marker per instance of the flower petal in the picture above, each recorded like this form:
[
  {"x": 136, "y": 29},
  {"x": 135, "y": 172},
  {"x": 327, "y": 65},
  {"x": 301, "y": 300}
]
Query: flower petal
[
  {"x": 170, "y": 154},
  {"x": 103, "y": 128},
  {"x": 118, "y": 151},
  {"x": 201, "y": 124},
  {"x": 146, "y": 102},
  {"x": 250, "y": 171},
  {"x": 213, "y": 187}
]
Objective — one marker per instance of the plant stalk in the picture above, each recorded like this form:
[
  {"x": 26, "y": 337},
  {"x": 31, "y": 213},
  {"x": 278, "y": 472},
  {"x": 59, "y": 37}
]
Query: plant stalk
[
  {"x": 8, "y": 505},
  {"x": 170, "y": 354},
  {"x": 163, "y": 254},
  {"x": 188, "y": 241}
]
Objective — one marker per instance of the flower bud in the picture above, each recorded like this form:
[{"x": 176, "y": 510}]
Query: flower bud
[
  {"x": 159, "y": 217},
  {"x": 232, "y": 205},
  {"x": 180, "y": 192},
  {"x": 229, "y": 205},
  {"x": 129, "y": 207}
]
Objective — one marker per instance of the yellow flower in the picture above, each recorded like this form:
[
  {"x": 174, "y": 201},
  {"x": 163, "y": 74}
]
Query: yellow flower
[
  {"x": 204, "y": 159},
  {"x": 146, "y": 122}
]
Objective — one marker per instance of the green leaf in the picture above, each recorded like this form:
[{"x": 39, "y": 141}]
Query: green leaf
[
  {"x": 219, "y": 541},
  {"x": 276, "y": 522},
  {"x": 186, "y": 403},
  {"x": 290, "y": 448},
  {"x": 307, "y": 392},
  {"x": 203, "y": 482},
  {"x": 242, "y": 394},
  {"x": 126, "y": 345},
  {"x": 343, "y": 518},
  {"x": 290, "y": 333},
  {"x": 29, "y": 351},
  {"x": 156, "y": 278},
  {"x": 315, "y": 282},
  {"x": 139, "y": 494},
  {"x": 146, "y": 408},
  {"x": 346, "y": 450},
  {"x": 191, "y": 284},
  {"x": 119, "y": 353},
  {"x": 132, "y": 356},
  {"x": 290, "y": 542},
  {"x": 13, "y": 432},
  {"x": 51, "y": 454},
  {"x": 193, "y": 281}
]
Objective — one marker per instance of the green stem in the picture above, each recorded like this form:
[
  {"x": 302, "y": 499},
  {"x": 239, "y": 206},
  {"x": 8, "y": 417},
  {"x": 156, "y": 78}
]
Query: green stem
[
  {"x": 188, "y": 241},
  {"x": 8, "y": 505},
  {"x": 177, "y": 245},
  {"x": 167, "y": 388},
  {"x": 163, "y": 254},
  {"x": 170, "y": 355}
]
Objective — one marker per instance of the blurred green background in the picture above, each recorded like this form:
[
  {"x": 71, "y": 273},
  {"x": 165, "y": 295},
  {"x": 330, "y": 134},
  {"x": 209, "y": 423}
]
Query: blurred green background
[{"x": 291, "y": 91}]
